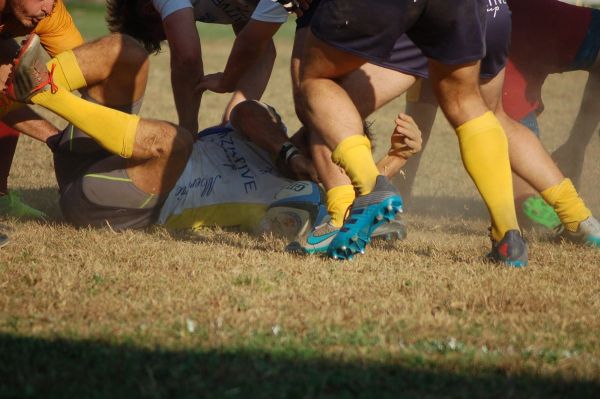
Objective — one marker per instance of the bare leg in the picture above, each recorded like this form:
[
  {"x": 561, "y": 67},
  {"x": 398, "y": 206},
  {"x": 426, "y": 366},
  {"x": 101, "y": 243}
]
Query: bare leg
[
  {"x": 483, "y": 144},
  {"x": 571, "y": 154},
  {"x": 161, "y": 149},
  {"x": 528, "y": 158}
]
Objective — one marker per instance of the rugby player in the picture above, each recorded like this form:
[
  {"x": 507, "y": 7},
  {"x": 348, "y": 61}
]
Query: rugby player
[
  {"x": 562, "y": 38},
  {"x": 529, "y": 160},
  {"x": 221, "y": 179},
  {"x": 53, "y": 23},
  {"x": 344, "y": 36},
  {"x": 152, "y": 21}
]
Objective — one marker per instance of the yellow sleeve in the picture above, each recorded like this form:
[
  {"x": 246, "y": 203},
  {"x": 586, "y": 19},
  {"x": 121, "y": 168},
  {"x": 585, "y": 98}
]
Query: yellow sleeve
[{"x": 58, "y": 32}]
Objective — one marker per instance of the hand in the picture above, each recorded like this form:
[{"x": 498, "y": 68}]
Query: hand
[
  {"x": 406, "y": 138},
  {"x": 302, "y": 168},
  {"x": 212, "y": 82},
  {"x": 294, "y": 6}
]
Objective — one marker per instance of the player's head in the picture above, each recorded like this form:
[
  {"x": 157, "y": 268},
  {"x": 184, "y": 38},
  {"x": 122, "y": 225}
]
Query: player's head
[
  {"x": 29, "y": 13},
  {"x": 136, "y": 18}
]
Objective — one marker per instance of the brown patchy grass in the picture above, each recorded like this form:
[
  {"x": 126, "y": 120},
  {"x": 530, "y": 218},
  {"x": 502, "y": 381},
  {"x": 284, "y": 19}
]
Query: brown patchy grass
[{"x": 232, "y": 315}]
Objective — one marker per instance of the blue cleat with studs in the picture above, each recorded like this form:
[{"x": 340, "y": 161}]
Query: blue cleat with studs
[{"x": 368, "y": 212}]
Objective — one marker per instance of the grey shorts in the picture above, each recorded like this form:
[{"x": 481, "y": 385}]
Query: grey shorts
[{"x": 95, "y": 189}]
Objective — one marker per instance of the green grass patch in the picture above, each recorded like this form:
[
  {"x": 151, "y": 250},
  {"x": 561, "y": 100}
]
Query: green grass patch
[{"x": 59, "y": 368}]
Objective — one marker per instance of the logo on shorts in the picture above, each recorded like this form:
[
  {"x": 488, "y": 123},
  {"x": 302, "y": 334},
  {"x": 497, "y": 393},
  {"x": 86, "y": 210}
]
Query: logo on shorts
[{"x": 494, "y": 6}]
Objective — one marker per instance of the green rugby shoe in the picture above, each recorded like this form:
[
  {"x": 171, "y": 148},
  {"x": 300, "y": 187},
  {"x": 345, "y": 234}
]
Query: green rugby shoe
[
  {"x": 538, "y": 211},
  {"x": 12, "y": 206}
]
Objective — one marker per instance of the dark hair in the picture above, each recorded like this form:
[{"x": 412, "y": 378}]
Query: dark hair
[{"x": 138, "y": 19}]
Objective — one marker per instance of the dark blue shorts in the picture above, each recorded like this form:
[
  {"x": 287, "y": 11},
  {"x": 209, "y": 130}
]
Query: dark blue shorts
[
  {"x": 406, "y": 57},
  {"x": 451, "y": 32},
  {"x": 588, "y": 52}
]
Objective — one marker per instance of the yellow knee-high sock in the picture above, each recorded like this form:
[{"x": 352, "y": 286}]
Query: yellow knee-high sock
[
  {"x": 67, "y": 73},
  {"x": 112, "y": 129},
  {"x": 338, "y": 200},
  {"x": 354, "y": 155},
  {"x": 567, "y": 203},
  {"x": 484, "y": 151}
]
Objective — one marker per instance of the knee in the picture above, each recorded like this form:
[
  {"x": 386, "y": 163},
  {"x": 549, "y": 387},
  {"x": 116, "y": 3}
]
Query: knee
[{"x": 125, "y": 49}]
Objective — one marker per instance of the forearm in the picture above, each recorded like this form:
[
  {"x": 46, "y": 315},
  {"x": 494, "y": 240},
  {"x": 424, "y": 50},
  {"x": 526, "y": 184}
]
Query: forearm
[
  {"x": 187, "y": 100},
  {"x": 390, "y": 165},
  {"x": 254, "y": 81},
  {"x": 243, "y": 58},
  {"x": 26, "y": 121}
]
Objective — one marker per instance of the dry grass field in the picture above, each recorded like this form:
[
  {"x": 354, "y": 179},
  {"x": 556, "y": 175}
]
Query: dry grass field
[{"x": 93, "y": 313}]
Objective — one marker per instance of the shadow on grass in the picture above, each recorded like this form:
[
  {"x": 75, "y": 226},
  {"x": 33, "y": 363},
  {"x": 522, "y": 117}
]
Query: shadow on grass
[
  {"x": 33, "y": 367},
  {"x": 463, "y": 207}
]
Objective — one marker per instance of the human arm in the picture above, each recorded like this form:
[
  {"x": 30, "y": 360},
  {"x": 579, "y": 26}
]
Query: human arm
[
  {"x": 186, "y": 65},
  {"x": 263, "y": 126},
  {"x": 253, "y": 41},
  {"x": 295, "y": 6},
  {"x": 405, "y": 142},
  {"x": 28, "y": 122}
]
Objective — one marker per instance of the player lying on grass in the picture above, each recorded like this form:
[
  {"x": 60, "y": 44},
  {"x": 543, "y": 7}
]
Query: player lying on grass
[
  {"x": 52, "y": 22},
  {"x": 562, "y": 37},
  {"x": 220, "y": 179}
]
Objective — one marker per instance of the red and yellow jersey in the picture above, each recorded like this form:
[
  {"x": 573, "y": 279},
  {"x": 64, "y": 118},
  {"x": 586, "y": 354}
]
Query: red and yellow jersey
[{"x": 58, "y": 32}]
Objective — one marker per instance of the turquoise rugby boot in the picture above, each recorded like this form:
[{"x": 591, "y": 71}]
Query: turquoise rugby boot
[{"x": 367, "y": 213}]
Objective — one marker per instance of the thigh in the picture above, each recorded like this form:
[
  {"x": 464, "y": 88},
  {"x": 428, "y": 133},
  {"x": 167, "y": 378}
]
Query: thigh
[
  {"x": 451, "y": 32},
  {"x": 372, "y": 86},
  {"x": 366, "y": 28},
  {"x": 105, "y": 195}
]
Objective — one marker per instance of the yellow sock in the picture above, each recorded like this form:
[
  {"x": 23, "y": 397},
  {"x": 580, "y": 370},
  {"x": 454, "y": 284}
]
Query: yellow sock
[
  {"x": 112, "y": 129},
  {"x": 338, "y": 200},
  {"x": 484, "y": 151},
  {"x": 567, "y": 203},
  {"x": 66, "y": 71},
  {"x": 354, "y": 155}
]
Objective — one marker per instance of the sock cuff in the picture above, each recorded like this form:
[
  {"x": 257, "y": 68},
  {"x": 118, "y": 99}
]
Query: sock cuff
[
  {"x": 347, "y": 144},
  {"x": 71, "y": 72},
  {"x": 482, "y": 123},
  {"x": 129, "y": 136},
  {"x": 552, "y": 194}
]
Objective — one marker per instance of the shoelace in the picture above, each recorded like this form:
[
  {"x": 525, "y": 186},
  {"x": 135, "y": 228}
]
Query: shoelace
[{"x": 50, "y": 81}]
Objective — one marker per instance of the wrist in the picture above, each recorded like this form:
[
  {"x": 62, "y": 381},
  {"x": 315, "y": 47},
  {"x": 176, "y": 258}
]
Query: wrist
[{"x": 287, "y": 152}]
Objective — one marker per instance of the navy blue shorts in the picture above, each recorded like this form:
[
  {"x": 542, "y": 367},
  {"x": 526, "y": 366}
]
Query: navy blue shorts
[
  {"x": 406, "y": 57},
  {"x": 451, "y": 32}
]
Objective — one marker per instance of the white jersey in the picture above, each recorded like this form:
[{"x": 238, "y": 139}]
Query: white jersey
[
  {"x": 225, "y": 11},
  {"x": 228, "y": 181}
]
